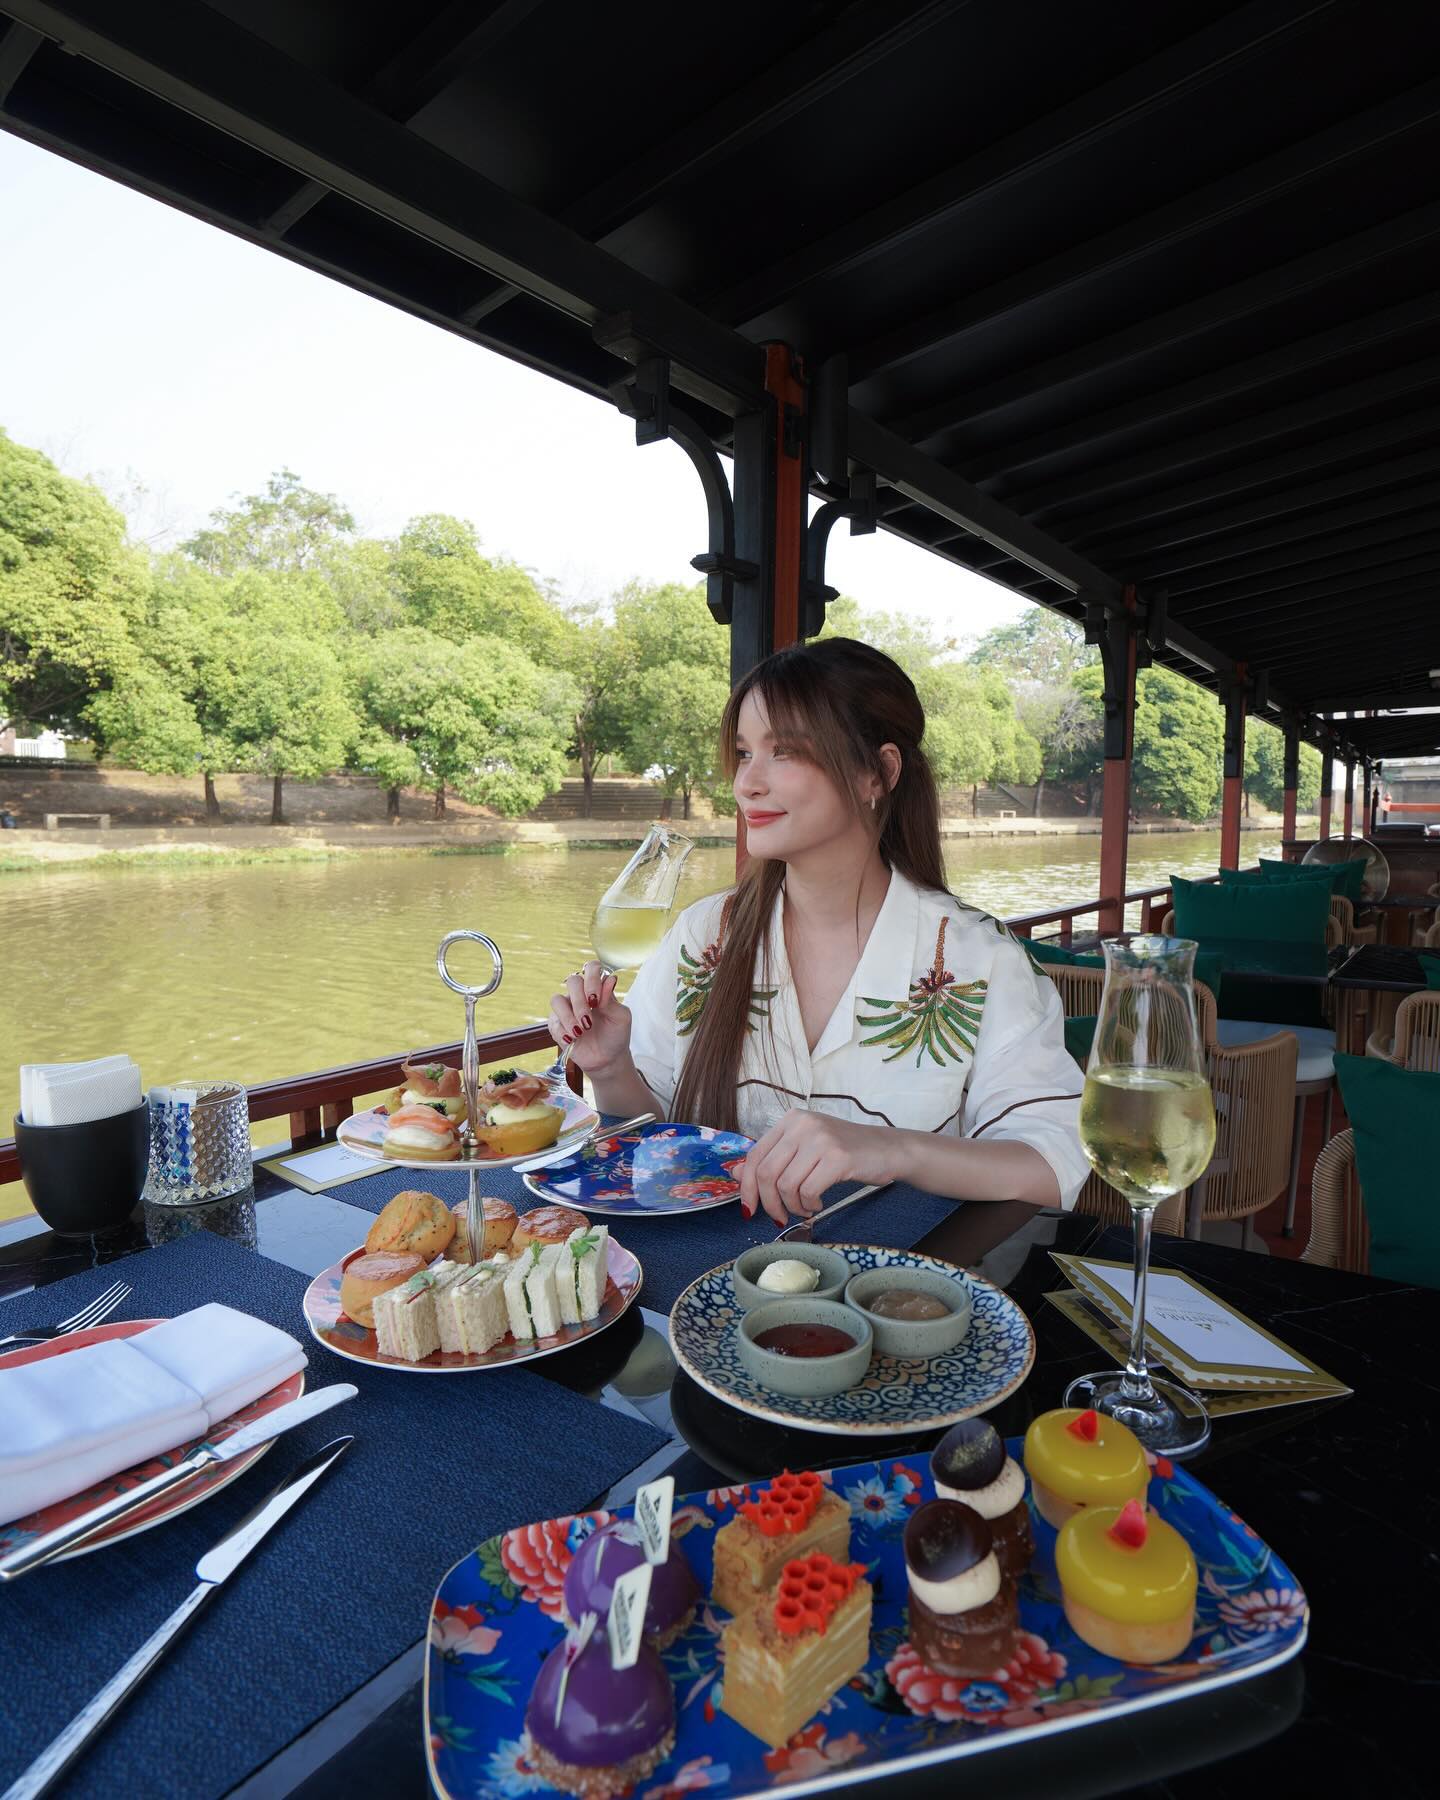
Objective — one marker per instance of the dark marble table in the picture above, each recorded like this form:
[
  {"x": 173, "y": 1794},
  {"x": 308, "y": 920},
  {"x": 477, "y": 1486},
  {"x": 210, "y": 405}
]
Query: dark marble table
[{"x": 1340, "y": 1489}]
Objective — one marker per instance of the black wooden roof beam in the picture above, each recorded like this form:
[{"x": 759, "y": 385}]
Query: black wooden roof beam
[
  {"x": 1316, "y": 560},
  {"x": 17, "y": 47}
]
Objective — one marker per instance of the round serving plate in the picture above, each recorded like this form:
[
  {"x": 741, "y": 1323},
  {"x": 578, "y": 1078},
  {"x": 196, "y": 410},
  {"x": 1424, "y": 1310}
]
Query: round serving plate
[
  {"x": 648, "y": 1172},
  {"x": 364, "y": 1133},
  {"x": 330, "y": 1326},
  {"x": 898, "y": 1394},
  {"x": 180, "y": 1499}
]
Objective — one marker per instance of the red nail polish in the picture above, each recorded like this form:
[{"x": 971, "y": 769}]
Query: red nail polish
[
  {"x": 586, "y": 1024},
  {"x": 565, "y": 1037},
  {"x": 593, "y": 999}
]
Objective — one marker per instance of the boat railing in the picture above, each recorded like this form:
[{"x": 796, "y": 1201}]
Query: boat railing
[{"x": 315, "y": 1104}]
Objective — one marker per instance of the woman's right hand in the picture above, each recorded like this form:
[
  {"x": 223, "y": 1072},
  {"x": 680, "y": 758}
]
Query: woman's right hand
[{"x": 590, "y": 1020}]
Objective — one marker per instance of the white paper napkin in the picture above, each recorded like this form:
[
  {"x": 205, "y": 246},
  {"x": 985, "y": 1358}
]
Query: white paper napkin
[
  {"x": 75, "y": 1093},
  {"x": 71, "y": 1420}
]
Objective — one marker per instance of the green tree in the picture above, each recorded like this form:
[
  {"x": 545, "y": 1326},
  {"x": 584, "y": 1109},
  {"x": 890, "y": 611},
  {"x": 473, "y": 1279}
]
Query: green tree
[
  {"x": 287, "y": 528},
  {"x": 675, "y": 727},
  {"x": 1179, "y": 736},
  {"x": 1039, "y": 646},
  {"x": 1039, "y": 656},
  {"x": 71, "y": 592},
  {"x": 600, "y": 660},
  {"x": 1265, "y": 769},
  {"x": 449, "y": 588},
  {"x": 289, "y": 713},
  {"x": 478, "y": 717},
  {"x": 670, "y": 623},
  {"x": 145, "y": 723}
]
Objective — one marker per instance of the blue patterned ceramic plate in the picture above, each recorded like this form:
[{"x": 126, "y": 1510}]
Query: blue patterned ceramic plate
[
  {"x": 496, "y": 1616},
  {"x": 899, "y": 1394},
  {"x": 654, "y": 1169}
]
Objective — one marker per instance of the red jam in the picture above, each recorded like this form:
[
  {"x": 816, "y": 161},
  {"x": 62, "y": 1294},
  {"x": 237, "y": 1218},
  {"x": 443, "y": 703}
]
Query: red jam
[{"x": 805, "y": 1340}]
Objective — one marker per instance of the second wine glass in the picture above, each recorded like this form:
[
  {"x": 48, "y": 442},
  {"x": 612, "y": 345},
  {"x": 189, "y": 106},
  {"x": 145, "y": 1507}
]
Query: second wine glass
[{"x": 1147, "y": 1125}]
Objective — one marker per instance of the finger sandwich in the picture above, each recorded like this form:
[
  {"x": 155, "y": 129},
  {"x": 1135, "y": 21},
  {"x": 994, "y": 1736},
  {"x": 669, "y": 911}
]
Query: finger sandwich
[
  {"x": 406, "y": 1325},
  {"x": 530, "y": 1294},
  {"x": 581, "y": 1274},
  {"x": 471, "y": 1313}
]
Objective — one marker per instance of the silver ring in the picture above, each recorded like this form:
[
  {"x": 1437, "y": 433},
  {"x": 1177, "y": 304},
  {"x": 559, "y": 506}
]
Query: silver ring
[{"x": 474, "y": 937}]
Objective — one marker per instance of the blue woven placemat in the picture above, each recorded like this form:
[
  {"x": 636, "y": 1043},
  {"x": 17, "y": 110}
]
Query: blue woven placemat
[
  {"x": 674, "y": 1249},
  {"x": 337, "y": 1591}
]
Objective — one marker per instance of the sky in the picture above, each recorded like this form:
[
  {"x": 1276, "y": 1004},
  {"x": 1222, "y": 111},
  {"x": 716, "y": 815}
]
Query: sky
[{"x": 178, "y": 366}]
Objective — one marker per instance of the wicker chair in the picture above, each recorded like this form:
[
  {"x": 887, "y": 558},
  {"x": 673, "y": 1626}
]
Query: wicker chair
[
  {"x": 1416, "y": 1040},
  {"x": 1339, "y": 1230},
  {"x": 1254, "y": 1089}
]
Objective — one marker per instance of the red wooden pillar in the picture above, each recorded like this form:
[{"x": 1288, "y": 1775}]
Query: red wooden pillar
[
  {"x": 775, "y": 499},
  {"x": 1118, "y": 651},
  {"x": 1349, "y": 797},
  {"x": 1289, "y": 805},
  {"x": 1233, "y": 697},
  {"x": 1327, "y": 790}
]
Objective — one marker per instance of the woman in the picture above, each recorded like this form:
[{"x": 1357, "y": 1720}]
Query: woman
[{"x": 839, "y": 1005}]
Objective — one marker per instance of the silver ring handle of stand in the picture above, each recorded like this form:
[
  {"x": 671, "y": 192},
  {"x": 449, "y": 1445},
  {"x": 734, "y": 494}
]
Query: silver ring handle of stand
[{"x": 470, "y": 1068}]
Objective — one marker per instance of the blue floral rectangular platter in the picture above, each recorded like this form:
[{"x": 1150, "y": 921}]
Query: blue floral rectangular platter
[{"x": 497, "y": 1616}]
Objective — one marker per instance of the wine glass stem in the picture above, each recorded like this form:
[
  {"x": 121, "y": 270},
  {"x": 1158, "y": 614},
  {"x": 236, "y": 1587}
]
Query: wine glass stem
[{"x": 1136, "y": 1385}]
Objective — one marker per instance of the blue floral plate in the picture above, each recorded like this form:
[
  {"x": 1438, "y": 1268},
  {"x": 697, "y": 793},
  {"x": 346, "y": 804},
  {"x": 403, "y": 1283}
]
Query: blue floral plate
[
  {"x": 655, "y": 1169},
  {"x": 899, "y": 1394},
  {"x": 497, "y": 1615}
]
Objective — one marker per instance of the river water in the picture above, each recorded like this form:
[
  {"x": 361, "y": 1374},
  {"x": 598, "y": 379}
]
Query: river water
[{"x": 254, "y": 973}]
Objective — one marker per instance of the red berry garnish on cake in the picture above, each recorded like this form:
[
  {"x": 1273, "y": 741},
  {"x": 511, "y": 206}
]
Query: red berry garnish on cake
[
  {"x": 1086, "y": 1427},
  {"x": 1130, "y": 1528}
]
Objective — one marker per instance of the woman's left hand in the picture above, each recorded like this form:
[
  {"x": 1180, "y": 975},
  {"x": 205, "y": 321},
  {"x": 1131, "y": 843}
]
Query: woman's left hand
[{"x": 807, "y": 1152}]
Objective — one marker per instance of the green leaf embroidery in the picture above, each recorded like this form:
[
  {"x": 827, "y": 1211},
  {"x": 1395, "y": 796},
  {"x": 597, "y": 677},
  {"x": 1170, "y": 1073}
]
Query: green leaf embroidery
[
  {"x": 940, "y": 1018},
  {"x": 694, "y": 979}
]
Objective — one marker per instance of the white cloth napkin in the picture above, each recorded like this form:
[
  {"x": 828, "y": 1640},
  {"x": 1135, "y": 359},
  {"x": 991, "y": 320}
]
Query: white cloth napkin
[
  {"x": 75, "y": 1093},
  {"x": 71, "y": 1420}
]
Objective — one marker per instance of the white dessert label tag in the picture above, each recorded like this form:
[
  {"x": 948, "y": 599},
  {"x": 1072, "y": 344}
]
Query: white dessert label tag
[
  {"x": 626, "y": 1624},
  {"x": 653, "y": 1505}
]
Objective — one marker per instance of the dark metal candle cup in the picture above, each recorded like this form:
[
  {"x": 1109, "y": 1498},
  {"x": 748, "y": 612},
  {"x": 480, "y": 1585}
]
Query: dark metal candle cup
[{"x": 85, "y": 1179}]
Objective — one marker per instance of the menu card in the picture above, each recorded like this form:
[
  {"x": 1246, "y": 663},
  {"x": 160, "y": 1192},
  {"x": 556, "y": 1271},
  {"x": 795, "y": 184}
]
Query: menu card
[
  {"x": 1192, "y": 1332},
  {"x": 325, "y": 1167}
]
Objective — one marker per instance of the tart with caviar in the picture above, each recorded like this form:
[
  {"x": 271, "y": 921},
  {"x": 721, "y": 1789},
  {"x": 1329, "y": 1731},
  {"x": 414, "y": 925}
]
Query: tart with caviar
[
  {"x": 429, "y": 1084},
  {"x": 964, "y": 1610},
  {"x": 795, "y": 1516},
  {"x": 788, "y": 1655},
  {"x": 1078, "y": 1458},
  {"x": 1128, "y": 1581},
  {"x": 513, "y": 1115},
  {"x": 969, "y": 1464}
]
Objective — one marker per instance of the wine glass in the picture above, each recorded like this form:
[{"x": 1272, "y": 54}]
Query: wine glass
[
  {"x": 1147, "y": 1125},
  {"x": 633, "y": 914}
]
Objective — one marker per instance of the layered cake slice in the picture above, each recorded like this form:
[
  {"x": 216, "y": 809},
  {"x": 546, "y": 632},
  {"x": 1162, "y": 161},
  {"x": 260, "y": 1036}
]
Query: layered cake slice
[
  {"x": 795, "y": 1516},
  {"x": 785, "y": 1657},
  {"x": 581, "y": 1273},
  {"x": 471, "y": 1312}
]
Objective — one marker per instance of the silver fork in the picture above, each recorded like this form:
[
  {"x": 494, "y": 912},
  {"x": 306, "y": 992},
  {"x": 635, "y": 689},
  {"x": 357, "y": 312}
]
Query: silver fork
[
  {"x": 95, "y": 1313},
  {"x": 803, "y": 1230}
]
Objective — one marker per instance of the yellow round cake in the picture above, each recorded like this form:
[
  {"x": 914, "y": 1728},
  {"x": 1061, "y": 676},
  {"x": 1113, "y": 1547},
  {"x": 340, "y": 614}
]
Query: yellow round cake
[
  {"x": 1078, "y": 1458},
  {"x": 1128, "y": 1581}
]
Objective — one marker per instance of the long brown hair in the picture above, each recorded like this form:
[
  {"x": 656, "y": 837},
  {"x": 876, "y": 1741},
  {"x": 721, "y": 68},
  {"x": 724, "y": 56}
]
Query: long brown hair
[{"x": 837, "y": 701}]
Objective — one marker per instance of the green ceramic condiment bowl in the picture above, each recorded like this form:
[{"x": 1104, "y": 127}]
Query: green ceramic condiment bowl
[
  {"x": 912, "y": 1337},
  {"x": 809, "y": 1377},
  {"x": 833, "y": 1269}
]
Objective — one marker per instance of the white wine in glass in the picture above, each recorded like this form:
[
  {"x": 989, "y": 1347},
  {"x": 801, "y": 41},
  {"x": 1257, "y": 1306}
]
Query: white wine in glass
[
  {"x": 625, "y": 932},
  {"x": 1147, "y": 1125}
]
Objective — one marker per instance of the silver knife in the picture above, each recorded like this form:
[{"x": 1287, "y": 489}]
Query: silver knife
[
  {"x": 590, "y": 1137},
  {"x": 212, "y": 1569},
  {"x": 206, "y": 1456}
]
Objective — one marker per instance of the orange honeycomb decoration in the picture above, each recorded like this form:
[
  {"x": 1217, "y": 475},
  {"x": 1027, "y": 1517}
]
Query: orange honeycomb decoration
[
  {"x": 810, "y": 1590},
  {"x": 787, "y": 1505}
]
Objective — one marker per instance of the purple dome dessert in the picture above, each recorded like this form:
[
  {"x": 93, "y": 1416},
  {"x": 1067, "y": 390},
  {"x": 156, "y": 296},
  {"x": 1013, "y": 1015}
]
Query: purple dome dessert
[
  {"x": 605, "y": 1729},
  {"x": 613, "y": 1551}
]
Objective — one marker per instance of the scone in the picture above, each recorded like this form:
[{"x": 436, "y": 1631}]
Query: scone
[
  {"x": 547, "y": 1225},
  {"x": 371, "y": 1275},
  {"x": 499, "y": 1229},
  {"x": 415, "y": 1221}
]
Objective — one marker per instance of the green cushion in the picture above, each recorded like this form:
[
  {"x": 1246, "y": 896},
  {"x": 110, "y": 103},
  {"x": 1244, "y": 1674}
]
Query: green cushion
[
  {"x": 1430, "y": 969},
  {"x": 1395, "y": 1115},
  {"x": 1080, "y": 1035},
  {"x": 1279, "y": 912},
  {"x": 1346, "y": 878},
  {"x": 1241, "y": 877}
]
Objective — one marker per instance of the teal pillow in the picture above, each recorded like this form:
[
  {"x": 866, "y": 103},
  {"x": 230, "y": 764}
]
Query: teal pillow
[
  {"x": 1241, "y": 877},
  {"x": 1272, "y": 912},
  {"x": 1395, "y": 1115},
  {"x": 1347, "y": 878},
  {"x": 1080, "y": 1035}
]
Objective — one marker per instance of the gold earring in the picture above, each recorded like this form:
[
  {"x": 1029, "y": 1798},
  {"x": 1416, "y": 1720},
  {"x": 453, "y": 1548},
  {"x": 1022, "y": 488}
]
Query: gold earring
[{"x": 872, "y": 803}]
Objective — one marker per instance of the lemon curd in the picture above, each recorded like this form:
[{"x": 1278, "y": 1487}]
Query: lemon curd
[
  {"x": 1150, "y": 1583},
  {"x": 1076, "y": 1458}
]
